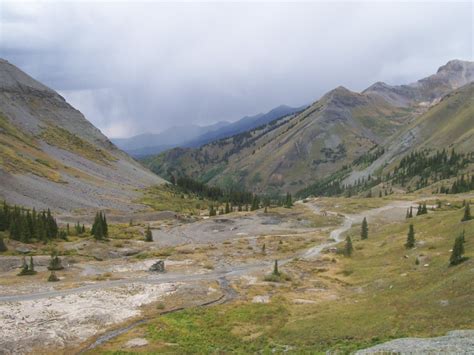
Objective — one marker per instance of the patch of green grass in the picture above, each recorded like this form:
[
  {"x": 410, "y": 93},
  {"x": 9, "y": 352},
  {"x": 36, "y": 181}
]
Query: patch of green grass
[
  {"x": 167, "y": 198},
  {"x": 64, "y": 139},
  {"x": 243, "y": 328}
]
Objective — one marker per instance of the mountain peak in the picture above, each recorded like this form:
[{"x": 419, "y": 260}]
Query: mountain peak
[{"x": 455, "y": 65}]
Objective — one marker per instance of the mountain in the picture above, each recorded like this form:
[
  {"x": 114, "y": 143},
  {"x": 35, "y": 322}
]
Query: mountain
[
  {"x": 153, "y": 143},
  {"x": 195, "y": 136},
  {"x": 331, "y": 134},
  {"x": 52, "y": 157},
  {"x": 244, "y": 124},
  {"x": 449, "y": 124}
]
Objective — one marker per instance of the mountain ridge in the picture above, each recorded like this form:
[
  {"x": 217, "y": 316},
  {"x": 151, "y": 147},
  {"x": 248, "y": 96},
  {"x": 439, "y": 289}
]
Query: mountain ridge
[{"x": 330, "y": 134}]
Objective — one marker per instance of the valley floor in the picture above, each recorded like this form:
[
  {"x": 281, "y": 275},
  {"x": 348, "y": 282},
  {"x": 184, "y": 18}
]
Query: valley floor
[{"x": 107, "y": 300}]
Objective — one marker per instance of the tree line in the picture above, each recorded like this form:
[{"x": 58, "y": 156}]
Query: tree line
[{"x": 27, "y": 225}]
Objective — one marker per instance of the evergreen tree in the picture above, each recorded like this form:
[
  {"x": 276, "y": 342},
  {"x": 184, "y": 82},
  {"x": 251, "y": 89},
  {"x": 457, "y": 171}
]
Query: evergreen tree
[
  {"x": 410, "y": 243},
  {"x": 348, "y": 249},
  {"x": 467, "y": 213},
  {"x": 227, "y": 208},
  {"x": 408, "y": 213},
  {"x": 458, "y": 251},
  {"x": 105, "y": 227},
  {"x": 55, "y": 262},
  {"x": 275, "y": 269},
  {"x": 148, "y": 235},
  {"x": 52, "y": 277},
  {"x": 3, "y": 247},
  {"x": 419, "y": 211},
  {"x": 212, "y": 211},
  {"x": 263, "y": 248},
  {"x": 364, "y": 232},
  {"x": 288, "y": 200},
  {"x": 411, "y": 212},
  {"x": 31, "y": 267},
  {"x": 424, "y": 210}
]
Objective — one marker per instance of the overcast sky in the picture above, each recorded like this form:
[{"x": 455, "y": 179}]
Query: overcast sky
[{"x": 142, "y": 67}]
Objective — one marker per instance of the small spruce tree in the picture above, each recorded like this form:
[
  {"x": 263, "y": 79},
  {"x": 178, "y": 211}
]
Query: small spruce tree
[
  {"x": 458, "y": 251},
  {"x": 148, "y": 235},
  {"x": 3, "y": 247},
  {"x": 55, "y": 262},
  {"x": 467, "y": 213},
  {"x": 348, "y": 248},
  {"x": 424, "y": 209},
  {"x": 364, "y": 232},
  {"x": 275, "y": 269},
  {"x": 410, "y": 243},
  {"x": 52, "y": 277}
]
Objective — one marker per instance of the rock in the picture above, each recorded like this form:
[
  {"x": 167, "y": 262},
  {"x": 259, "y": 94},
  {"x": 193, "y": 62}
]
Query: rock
[
  {"x": 136, "y": 343},
  {"x": 159, "y": 266},
  {"x": 23, "y": 250},
  {"x": 303, "y": 301},
  {"x": 455, "y": 342},
  {"x": 261, "y": 299}
]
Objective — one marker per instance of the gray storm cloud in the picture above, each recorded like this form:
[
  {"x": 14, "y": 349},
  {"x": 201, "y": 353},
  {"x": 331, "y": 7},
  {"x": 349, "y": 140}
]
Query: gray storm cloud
[{"x": 142, "y": 67}]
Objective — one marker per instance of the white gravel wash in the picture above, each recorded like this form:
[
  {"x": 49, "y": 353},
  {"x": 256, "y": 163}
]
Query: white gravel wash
[{"x": 58, "y": 322}]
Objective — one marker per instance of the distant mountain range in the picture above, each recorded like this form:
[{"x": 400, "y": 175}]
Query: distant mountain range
[
  {"x": 52, "y": 157},
  {"x": 292, "y": 153},
  {"x": 195, "y": 136}
]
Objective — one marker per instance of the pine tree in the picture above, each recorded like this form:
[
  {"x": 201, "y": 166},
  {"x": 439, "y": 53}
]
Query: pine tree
[
  {"x": 148, "y": 235},
  {"x": 467, "y": 213},
  {"x": 275, "y": 269},
  {"x": 3, "y": 247},
  {"x": 105, "y": 227},
  {"x": 410, "y": 243},
  {"x": 263, "y": 248},
  {"x": 212, "y": 211},
  {"x": 348, "y": 249},
  {"x": 227, "y": 208},
  {"x": 458, "y": 251},
  {"x": 31, "y": 267},
  {"x": 408, "y": 213},
  {"x": 424, "y": 210},
  {"x": 411, "y": 212},
  {"x": 364, "y": 233},
  {"x": 419, "y": 211},
  {"x": 55, "y": 262},
  {"x": 52, "y": 277},
  {"x": 97, "y": 228}
]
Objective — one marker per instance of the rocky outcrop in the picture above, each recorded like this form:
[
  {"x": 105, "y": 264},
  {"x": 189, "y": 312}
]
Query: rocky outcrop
[{"x": 455, "y": 342}]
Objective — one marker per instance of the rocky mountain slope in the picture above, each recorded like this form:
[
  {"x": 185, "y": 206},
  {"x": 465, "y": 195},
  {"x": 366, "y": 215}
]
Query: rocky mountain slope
[
  {"x": 52, "y": 157},
  {"x": 342, "y": 126}
]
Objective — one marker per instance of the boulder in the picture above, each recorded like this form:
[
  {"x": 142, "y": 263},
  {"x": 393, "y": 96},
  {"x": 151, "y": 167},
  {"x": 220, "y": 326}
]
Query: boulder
[{"x": 158, "y": 266}]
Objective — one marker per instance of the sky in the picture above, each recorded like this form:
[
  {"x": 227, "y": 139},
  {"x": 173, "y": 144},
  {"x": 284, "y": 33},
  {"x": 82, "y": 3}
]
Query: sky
[{"x": 139, "y": 67}]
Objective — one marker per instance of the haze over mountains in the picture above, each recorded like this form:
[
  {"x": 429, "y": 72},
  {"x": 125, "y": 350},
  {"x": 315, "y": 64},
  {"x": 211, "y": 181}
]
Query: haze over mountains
[
  {"x": 52, "y": 157},
  {"x": 195, "y": 136},
  {"x": 290, "y": 154}
]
